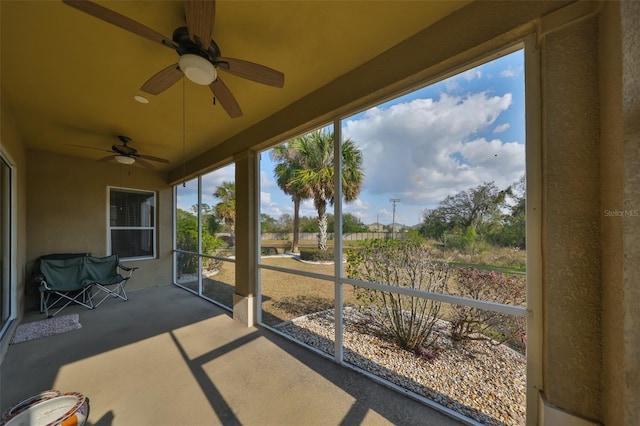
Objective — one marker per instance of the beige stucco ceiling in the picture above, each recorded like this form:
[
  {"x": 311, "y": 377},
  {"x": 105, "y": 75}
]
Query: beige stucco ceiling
[{"x": 69, "y": 78}]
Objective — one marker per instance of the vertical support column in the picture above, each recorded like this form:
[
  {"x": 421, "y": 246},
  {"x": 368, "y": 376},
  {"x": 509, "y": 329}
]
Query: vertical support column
[
  {"x": 571, "y": 277},
  {"x": 337, "y": 239},
  {"x": 534, "y": 220},
  {"x": 630, "y": 13},
  {"x": 612, "y": 170},
  {"x": 245, "y": 307},
  {"x": 199, "y": 215}
]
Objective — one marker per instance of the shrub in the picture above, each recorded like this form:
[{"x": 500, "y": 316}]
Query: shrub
[
  {"x": 316, "y": 255},
  {"x": 462, "y": 240},
  {"x": 409, "y": 264},
  {"x": 188, "y": 263},
  {"x": 474, "y": 323}
]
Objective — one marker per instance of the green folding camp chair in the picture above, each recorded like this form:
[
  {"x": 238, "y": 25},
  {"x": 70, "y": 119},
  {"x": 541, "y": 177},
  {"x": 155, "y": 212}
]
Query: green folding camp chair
[
  {"x": 103, "y": 274},
  {"x": 63, "y": 282}
]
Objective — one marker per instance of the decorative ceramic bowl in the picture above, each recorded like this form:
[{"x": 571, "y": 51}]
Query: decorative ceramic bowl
[{"x": 50, "y": 408}]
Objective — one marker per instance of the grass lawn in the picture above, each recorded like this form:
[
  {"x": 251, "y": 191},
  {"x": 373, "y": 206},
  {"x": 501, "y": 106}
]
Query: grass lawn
[
  {"x": 483, "y": 267},
  {"x": 286, "y": 296}
]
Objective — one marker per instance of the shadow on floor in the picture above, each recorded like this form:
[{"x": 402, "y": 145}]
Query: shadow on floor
[{"x": 166, "y": 357}]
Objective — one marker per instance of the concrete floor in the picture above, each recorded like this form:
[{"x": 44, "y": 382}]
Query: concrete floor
[{"x": 166, "y": 357}]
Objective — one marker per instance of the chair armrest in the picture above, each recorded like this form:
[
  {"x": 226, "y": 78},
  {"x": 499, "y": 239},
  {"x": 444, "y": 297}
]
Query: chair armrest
[
  {"x": 43, "y": 287},
  {"x": 126, "y": 268},
  {"x": 41, "y": 282}
]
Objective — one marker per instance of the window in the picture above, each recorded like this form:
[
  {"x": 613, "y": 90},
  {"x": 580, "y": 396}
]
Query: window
[
  {"x": 132, "y": 223},
  {"x": 204, "y": 236},
  {"x": 431, "y": 241},
  {"x": 7, "y": 310}
]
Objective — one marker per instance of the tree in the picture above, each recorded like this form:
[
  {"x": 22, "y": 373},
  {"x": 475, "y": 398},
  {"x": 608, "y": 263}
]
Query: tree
[
  {"x": 515, "y": 229},
  {"x": 268, "y": 224},
  {"x": 434, "y": 224},
  {"x": 465, "y": 211},
  {"x": 210, "y": 222},
  {"x": 290, "y": 162},
  {"x": 285, "y": 223},
  {"x": 350, "y": 224},
  {"x": 315, "y": 177},
  {"x": 308, "y": 224},
  {"x": 225, "y": 210},
  {"x": 467, "y": 208},
  {"x": 187, "y": 240},
  {"x": 512, "y": 230},
  {"x": 186, "y": 231}
]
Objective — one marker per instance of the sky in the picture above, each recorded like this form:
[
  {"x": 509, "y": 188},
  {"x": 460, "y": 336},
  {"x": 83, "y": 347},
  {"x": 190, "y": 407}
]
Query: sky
[{"x": 419, "y": 148}]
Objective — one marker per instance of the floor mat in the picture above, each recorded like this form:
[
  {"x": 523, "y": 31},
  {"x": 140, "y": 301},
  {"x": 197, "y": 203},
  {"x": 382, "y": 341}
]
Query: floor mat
[{"x": 46, "y": 327}]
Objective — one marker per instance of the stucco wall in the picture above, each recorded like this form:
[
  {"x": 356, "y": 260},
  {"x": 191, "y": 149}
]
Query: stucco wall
[
  {"x": 571, "y": 219},
  {"x": 67, "y": 210},
  {"x": 612, "y": 173},
  {"x": 630, "y": 17},
  {"x": 12, "y": 147}
]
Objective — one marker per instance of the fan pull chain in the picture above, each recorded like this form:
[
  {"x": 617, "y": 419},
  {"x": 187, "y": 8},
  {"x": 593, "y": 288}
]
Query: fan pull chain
[{"x": 184, "y": 135}]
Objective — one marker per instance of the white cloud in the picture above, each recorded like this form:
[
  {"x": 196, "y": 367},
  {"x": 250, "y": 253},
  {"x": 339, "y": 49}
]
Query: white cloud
[
  {"x": 272, "y": 208},
  {"x": 423, "y": 150},
  {"x": 501, "y": 128},
  {"x": 452, "y": 84},
  {"x": 471, "y": 74},
  {"x": 356, "y": 207},
  {"x": 266, "y": 181},
  {"x": 307, "y": 208},
  {"x": 384, "y": 213},
  {"x": 510, "y": 72},
  {"x": 265, "y": 198}
]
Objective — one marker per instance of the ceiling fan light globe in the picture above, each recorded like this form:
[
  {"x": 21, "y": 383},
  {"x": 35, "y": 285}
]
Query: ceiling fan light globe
[
  {"x": 197, "y": 69},
  {"x": 123, "y": 159}
]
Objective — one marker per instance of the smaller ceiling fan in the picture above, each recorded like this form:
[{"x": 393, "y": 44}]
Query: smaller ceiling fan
[{"x": 126, "y": 154}]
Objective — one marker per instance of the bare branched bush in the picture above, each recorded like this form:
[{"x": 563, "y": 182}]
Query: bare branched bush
[
  {"x": 409, "y": 320},
  {"x": 473, "y": 323}
]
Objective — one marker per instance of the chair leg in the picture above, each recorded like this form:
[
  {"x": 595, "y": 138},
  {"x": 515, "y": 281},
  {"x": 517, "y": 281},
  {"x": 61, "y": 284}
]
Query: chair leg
[
  {"x": 80, "y": 299},
  {"x": 117, "y": 291}
]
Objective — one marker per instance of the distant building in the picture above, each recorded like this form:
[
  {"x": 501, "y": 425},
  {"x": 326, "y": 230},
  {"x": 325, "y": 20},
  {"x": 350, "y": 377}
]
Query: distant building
[{"x": 377, "y": 227}]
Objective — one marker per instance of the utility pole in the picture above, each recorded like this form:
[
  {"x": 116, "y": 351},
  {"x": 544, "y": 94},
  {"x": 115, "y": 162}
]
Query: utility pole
[{"x": 393, "y": 229}]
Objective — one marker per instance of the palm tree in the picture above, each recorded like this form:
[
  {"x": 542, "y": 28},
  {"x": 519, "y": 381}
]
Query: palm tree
[
  {"x": 315, "y": 177},
  {"x": 289, "y": 163},
  {"x": 226, "y": 208}
]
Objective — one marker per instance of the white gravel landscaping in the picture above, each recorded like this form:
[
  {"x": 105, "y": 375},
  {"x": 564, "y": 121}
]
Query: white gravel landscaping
[{"x": 482, "y": 380}]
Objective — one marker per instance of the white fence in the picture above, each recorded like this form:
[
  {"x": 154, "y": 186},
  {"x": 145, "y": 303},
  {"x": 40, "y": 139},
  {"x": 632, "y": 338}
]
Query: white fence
[{"x": 313, "y": 236}]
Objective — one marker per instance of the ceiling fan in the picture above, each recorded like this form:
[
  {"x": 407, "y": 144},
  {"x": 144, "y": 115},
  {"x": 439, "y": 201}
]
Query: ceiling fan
[
  {"x": 126, "y": 154},
  {"x": 200, "y": 56}
]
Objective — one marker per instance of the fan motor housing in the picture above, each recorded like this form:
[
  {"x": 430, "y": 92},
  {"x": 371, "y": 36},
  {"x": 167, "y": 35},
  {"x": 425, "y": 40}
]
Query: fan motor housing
[{"x": 188, "y": 46}]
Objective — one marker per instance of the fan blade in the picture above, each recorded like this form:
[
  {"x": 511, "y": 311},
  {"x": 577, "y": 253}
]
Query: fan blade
[
  {"x": 110, "y": 157},
  {"x": 152, "y": 158},
  {"x": 162, "y": 80},
  {"x": 253, "y": 71},
  {"x": 200, "y": 16},
  {"x": 226, "y": 98},
  {"x": 144, "y": 163},
  {"x": 119, "y": 20},
  {"x": 89, "y": 147}
]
